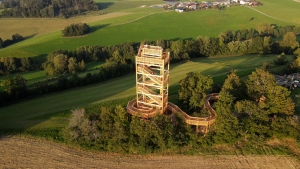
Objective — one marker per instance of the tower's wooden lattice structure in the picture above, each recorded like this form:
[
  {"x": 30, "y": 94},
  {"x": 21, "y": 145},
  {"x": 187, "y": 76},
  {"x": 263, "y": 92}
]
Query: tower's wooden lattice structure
[{"x": 152, "y": 78}]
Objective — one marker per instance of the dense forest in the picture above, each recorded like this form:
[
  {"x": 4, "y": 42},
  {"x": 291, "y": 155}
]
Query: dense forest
[{"x": 45, "y": 8}]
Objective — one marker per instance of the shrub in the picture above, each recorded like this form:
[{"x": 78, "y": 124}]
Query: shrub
[
  {"x": 82, "y": 127},
  {"x": 78, "y": 29},
  {"x": 280, "y": 59}
]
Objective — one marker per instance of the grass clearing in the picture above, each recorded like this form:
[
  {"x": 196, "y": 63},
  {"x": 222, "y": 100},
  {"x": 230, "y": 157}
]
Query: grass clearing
[
  {"x": 94, "y": 65},
  {"x": 31, "y": 77}
]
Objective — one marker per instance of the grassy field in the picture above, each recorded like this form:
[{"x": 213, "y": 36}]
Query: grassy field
[
  {"x": 133, "y": 23},
  {"x": 49, "y": 112},
  {"x": 34, "y": 27},
  {"x": 287, "y": 10}
]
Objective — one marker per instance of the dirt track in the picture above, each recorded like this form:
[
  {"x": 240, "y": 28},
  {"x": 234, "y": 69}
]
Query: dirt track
[{"x": 19, "y": 152}]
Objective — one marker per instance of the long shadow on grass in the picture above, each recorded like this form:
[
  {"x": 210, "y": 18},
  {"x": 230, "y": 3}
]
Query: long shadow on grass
[
  {"x": 97, "y": 27},
  {"x": 42, "y": 57},
  {"x": 30, "y": 36},
  {"x": 104, "y": 5}
]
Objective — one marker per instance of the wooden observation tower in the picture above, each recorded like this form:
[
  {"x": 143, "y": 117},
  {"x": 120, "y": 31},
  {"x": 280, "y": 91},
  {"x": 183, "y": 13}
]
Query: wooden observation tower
[
  {"x": 152, "y": 83},
  {"x": 152, "y": 78}
]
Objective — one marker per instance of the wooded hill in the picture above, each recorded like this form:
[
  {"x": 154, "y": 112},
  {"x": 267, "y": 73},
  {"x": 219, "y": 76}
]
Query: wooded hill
[{"x": 45, "y": 8}]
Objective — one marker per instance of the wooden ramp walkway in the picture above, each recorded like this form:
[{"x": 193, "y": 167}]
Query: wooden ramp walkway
[{"x": 203, "y": 122}]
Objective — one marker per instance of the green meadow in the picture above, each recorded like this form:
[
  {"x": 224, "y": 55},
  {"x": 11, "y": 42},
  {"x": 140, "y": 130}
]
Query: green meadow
[
  {"x": 151, "y": 23},
  {"x": 38, "y": 113},
  {"x": 287, "y": 10}
]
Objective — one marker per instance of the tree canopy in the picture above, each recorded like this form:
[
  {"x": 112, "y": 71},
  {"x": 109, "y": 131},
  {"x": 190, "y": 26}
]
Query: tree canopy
[
  {"x": 77, "y": 29},
  {"x": 193, "y": 89},
  {"x": 45, "y": 8}
]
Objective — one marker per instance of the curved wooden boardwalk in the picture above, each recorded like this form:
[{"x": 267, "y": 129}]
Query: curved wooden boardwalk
[{"x": 197, "y": 121}]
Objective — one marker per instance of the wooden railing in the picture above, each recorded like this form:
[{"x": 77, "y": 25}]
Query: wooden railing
[
  {"x": 144, "y": 113},
  {"x": 149, "y": 61},
  {"x": 198, "y": 121},
  {"x": 152, "y": 52}
]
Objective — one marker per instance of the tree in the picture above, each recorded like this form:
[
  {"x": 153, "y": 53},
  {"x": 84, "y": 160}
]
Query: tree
[
  {"x": 193, "y": 89},
  {"x": 234, "y": 86},
  {"x": 15, "y": 86},
  {"x": 252, "y": 33},
  {"x": 267, "y": 44},
  {"x": 73, "y": 131},
  {"x": 297, "y": 52},
  {"x": 257, "y": 45},
  {"x": 293, "y": 67},
  {"x": 1, "y": 42},
  {"x": 281, "y": 59},
  {"x": 60, "y": 63},
  {"x": 82, "y": 66},
  {"x": 226, "y": 37},
  {"x": 254, "y": 119},
  {"x": 17, "y": 37},
  {"x": 50, "y": 69},
  {"x": 270, "y": 97},
  {"x": 120, "y": 131},
  {"x": 226, "y": 121},
  {"x": 72, "y": 65},
  {"x": 77, "y": 29},
  {"x": 289, "y": 42},
  {"x": 82, "y": 127},
  {"x": 265, "y": 29},
  {"x": 46, "y": 8},
  {"x": 279, "y": 101},
  {"x": 179, "y": 51},
  {"x": 260, "y": 83}
]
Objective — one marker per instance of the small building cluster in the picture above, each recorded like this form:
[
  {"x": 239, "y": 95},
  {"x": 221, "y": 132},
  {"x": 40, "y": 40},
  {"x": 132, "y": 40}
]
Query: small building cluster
[
  {"x": 289, "y": 81},
  {"x": 247, "y": 2},
  {"x": 189, "y": 6}
]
